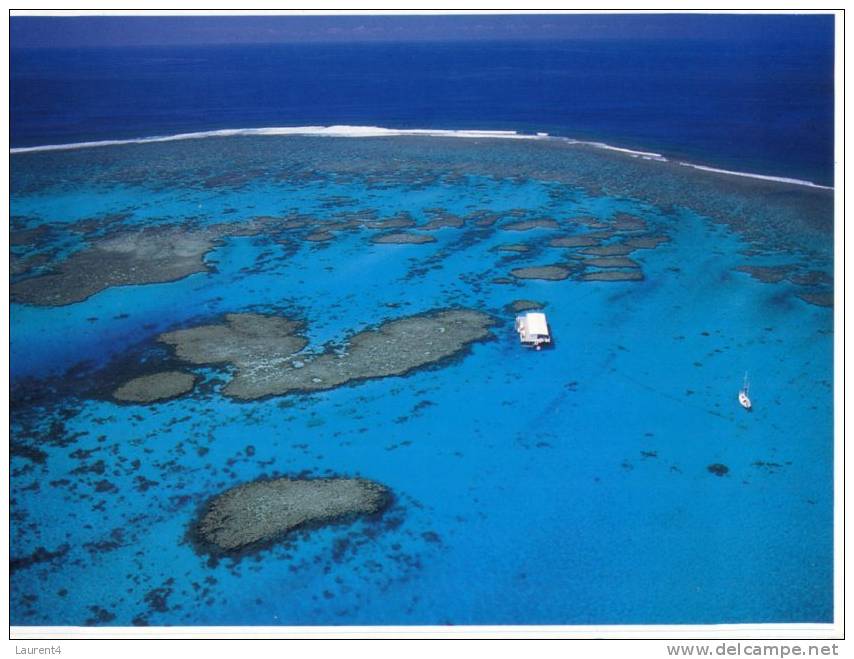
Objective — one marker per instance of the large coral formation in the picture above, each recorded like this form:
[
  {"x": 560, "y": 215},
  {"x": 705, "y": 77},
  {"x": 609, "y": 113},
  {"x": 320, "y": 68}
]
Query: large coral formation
[{"x": 257, "y": 514}]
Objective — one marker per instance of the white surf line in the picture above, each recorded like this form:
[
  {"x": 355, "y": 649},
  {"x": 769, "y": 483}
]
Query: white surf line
[
  {"x": 378, "y": 131},
  {"x": 645, "y": 155},
  {"x": 329, "y": 131},
  {"x": 762, "y": 177},
  {"x": 648, "y": 155}
]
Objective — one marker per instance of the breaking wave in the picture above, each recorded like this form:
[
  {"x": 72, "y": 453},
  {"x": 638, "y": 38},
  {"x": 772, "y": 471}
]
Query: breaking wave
[{"x": 377, "y": 131}]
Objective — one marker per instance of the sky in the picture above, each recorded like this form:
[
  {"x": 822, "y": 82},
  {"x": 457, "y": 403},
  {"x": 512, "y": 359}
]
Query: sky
[{"x": 152, "y": 30}]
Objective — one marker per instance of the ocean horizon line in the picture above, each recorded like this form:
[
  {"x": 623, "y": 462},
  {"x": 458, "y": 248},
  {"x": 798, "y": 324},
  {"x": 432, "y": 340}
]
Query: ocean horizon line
[{"x": 378, "y": 131}]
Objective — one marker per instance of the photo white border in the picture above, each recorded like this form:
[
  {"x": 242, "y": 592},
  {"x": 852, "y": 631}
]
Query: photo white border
[{"x": 661, "y": 633}]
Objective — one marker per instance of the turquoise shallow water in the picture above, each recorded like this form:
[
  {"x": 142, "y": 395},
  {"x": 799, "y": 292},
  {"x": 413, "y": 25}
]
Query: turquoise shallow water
[{"x": 569, "y": 486}]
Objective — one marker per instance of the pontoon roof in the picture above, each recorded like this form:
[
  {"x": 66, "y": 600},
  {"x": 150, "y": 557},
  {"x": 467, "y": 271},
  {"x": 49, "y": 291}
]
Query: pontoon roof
[{"x": 535, "y": 323}]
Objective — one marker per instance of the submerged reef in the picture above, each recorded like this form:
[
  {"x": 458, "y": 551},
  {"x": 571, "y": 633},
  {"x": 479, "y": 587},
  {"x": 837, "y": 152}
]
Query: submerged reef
[
  {"x": 263, "y": 350},
  {"x": 154, "y": 387},
  {"x": 258, "y": 346},
  {"x": 613, "y": 275},
  {"x": 443, "y": 220},
  {"x": 612, "y": 262},
  {"x": 617, "y": 249},
  {"x": 399, "y": 221},
  {"x": 819, "y": 292},
  {"x": 824, "y": 299},
  {"x": 256, "y": 515},
  {"x": 320, "y": 236},
  {"x": 524, "y": 305},
  {"x": 766, "y": 274},
  {"x": 519, "y": 248},
  {"x": 403, "y": 238},
  {"x": 32, "y": 236},
  {"x": 40, "y": 555},
  {"x": 527, "y": 225},
  {"x": 626, "y": 222},
  {"x": 646, "y": 242},
  {"x": 548, "y": 272},
  {"x": 19, "y": 265},
  {"x": 574, "y": 241},
  {"x": 148, "y": 256}
]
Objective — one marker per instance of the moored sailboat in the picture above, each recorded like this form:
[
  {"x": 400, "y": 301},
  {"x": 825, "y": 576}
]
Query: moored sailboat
[{"x": 744, "y": 394}]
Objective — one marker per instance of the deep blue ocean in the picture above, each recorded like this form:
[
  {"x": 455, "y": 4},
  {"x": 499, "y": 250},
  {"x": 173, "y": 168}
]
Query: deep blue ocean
[
  {"x": 613, "y": 479},
  {"x": 763, "y": 105}
]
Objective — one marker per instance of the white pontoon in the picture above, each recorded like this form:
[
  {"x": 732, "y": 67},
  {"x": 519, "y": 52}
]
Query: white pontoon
[{"x": 533, "y": 329}]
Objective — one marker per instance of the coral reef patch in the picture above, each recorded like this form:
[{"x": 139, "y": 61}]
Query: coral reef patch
[
  {"x": 149, "y": 256},
  {"x": 617, "y": 249},
  {"x": 527, "y": 225},
  {"x": 613, "y": 275},
  {"x": 822, "y": 299},
  {"x": 547, "y": 272},
  {"x": 524, "y": 305},
  {"x": 519, "y": 248},
  {"x": 612, "y": 262},
  {"x": 155, "y": 387},
  {"x": 403, "y": 238},
  {"x": 319, "y": 236},
  {"x": 646, "y": 242},
  {"x": 767, "y": 274},
  {"x": 256, "y": 515},
  {"x": 263, "y": 350},
  {"x": 574, "y": 241}
]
